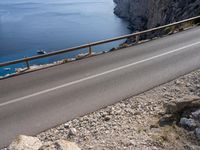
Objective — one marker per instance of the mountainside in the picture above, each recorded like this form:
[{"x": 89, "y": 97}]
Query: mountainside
[{"x": 143, "y": 14}]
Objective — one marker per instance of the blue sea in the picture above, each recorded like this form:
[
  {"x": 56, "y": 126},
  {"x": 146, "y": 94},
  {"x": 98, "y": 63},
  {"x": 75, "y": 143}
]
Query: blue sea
[{"x": 30, "y": 25}]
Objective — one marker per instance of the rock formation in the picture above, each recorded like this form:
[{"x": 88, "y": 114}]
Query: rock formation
[
  {"x": 23, "y": 142},
  {"x": 143, "y": 14}
]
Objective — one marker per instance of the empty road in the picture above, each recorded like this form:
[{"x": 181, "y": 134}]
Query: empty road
[{"x": 36, "y": 101}]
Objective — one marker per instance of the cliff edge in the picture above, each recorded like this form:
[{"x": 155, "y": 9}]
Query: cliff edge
[{"x": 145, "y": 14}]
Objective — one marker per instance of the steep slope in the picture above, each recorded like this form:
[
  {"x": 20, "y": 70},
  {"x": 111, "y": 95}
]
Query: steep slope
[{"x": 143, "y": 14}]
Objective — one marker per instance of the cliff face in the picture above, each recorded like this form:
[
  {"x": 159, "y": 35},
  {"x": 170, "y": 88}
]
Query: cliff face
[{"x": 143, "y": 14}]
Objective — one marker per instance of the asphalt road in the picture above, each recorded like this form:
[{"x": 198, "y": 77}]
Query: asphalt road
[{"x": 36, "y": 101}]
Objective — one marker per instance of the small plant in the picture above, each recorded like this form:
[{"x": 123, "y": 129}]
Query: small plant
[{"x": 169, "y": 30}]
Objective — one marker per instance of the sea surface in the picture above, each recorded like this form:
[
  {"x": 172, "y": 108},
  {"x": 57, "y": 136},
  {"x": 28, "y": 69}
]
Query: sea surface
[{"x": 27, "y": 26}]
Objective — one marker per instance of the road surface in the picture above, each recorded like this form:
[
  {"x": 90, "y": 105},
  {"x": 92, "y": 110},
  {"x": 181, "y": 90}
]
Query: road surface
[{"x": 36, "y": 101}]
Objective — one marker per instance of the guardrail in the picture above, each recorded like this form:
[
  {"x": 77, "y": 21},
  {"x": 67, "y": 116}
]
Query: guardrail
[{"x": 89, "y": 46}]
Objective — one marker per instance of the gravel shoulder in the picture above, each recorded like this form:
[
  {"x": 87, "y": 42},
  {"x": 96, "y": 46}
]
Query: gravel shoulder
[{"x": 133, "y": 123}]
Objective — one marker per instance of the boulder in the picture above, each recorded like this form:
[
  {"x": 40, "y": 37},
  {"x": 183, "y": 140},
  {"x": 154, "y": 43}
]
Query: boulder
[
  {"x": 177, "y": 106},
  {"x": 23, "y": 142},
  {"x": 60, "y": 145},
  {"x": 188, "y": 123}
]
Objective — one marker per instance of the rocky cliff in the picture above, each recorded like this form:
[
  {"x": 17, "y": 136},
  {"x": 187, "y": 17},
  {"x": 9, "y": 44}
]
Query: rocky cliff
[{"x": 143, "y": 14}]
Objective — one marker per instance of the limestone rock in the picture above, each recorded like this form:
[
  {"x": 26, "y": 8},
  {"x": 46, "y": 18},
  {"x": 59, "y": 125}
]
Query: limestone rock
[
  {"x": 143, "y": 14},
  {"x": 23, "y": 142},
  {"x": 60, "y": 145},
  {"x": 177, "y": 106}
]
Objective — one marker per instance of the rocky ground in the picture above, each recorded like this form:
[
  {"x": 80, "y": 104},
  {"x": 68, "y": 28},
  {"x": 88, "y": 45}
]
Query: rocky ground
[
  {"x": 134, "y": 123},
  {"x": 166, "y": 117}
]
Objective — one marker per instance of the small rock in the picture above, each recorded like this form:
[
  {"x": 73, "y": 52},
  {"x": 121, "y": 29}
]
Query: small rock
[
  {"x": 197, "y": 133},
  {"x": 23, "y": 142},
  {"x": 66, "y": 125},
  {"x": 188, "y": 84},
  {"x": 107, "y": 118},
  {"x": 196, "y": 114},
  {"x": 198, "y": 85},
  {"x": 137, "y": 113},
  {"x": 72, "y": 131},
  {"x": 178, "y": 82},
  {"x": 166, "y": 95},
  {"x": 188, "y": 123}
]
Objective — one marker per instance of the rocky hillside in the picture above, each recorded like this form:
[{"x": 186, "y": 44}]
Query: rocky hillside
[{"x": 143, "y": 14}]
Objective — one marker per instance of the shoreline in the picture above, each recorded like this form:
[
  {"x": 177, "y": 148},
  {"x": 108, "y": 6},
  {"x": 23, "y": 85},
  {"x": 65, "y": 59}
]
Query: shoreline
[{"x": 127, "y": 43}]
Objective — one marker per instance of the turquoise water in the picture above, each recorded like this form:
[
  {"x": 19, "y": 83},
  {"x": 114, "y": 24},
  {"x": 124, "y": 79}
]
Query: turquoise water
[{"x": 30, "y": 25}]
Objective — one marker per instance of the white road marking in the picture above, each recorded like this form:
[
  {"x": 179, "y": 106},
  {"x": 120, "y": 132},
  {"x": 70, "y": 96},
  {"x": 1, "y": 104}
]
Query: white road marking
[{"x": 97, "y": 75}]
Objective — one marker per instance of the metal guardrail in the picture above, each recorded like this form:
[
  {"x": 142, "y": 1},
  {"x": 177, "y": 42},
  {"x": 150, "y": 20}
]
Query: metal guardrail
[{"x": 89, "y": 46}]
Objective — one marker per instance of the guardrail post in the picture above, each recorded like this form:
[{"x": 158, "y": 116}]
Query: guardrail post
[
  {"x": 90, "y": 50},
  {"x": 27, "y": 64},
  {"x": 137, "y": 38}
]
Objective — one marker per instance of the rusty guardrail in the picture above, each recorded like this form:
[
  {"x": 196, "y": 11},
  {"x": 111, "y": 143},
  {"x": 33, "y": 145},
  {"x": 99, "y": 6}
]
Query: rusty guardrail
[{"x": 89, "y": 46}]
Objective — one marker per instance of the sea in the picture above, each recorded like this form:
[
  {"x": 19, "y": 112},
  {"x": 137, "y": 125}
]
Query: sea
[{"x": 27, "y": 26}]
